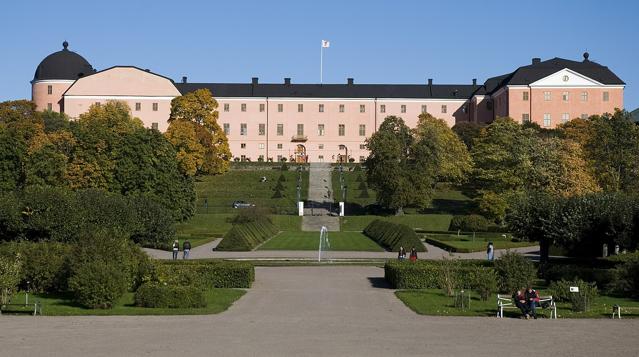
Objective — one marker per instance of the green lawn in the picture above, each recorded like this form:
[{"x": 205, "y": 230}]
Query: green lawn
[
  {"x": 340, "y": 241},
  {"x": 355, "y": 192},
  {"x": 218, "y": 300},
  {"x": 469, "y": 246},
  {"x": 429, "y": 222},
  {"x": 435, "y": 302},
  {"x": 245, "y": 185}
]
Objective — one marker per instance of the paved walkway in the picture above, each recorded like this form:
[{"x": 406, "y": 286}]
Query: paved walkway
[
  {"x": 315, "y": 311},
  {"x": 320, "y": 199}
]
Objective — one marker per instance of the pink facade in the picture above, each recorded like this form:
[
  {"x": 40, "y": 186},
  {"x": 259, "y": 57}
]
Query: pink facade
[{"x": 47, "y": 94}]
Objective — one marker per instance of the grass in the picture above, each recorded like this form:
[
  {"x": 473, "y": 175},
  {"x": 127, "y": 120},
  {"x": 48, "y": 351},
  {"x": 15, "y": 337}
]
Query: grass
[
  {"x": 429, "y": 222},
  {"x": 340, "y": 241},
  {"x": 59, "y": 305},
  {"x": 435, "y": 302}
]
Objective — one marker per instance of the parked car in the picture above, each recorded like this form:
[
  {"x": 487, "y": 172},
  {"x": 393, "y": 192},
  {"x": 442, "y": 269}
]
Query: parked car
[{"x": 242, "y": 204}]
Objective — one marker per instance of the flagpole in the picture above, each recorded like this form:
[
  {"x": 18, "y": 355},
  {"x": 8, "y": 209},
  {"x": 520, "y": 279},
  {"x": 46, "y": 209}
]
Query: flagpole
[{"x": 321, "y": 62}]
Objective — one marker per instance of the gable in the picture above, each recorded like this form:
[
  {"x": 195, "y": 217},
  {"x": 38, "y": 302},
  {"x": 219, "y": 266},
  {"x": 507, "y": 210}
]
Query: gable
[
  {"x": 123, "y": 81},
  {"x": 566, "y": 78}
]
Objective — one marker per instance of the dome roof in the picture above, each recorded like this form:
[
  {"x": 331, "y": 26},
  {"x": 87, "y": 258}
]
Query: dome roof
[{"x": 63, "y": 64}]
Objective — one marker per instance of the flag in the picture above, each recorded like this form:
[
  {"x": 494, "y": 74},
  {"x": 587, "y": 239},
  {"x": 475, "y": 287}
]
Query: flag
[{"x": 326, "y": 44}]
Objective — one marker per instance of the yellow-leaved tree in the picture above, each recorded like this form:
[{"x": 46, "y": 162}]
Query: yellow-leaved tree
[{"x": 202, "y": 147}]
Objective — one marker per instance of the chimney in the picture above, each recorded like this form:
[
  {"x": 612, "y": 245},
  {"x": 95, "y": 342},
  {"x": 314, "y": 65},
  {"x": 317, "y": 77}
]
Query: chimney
[
  {"x": 184, "y": 79},
  {"x": 254, "y": 80},
  {"x": 536, "y": 60},
  {"x": 349, "y": 81},
  {"x": 287, "y": 81},
  {"x": 147, "y": 70},
  {"x": 430, "y": 82},
  {"x": 474, "y": 82}
]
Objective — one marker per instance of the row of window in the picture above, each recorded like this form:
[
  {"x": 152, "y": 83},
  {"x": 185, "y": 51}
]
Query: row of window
[
  {"x": 321, "y": 129},
  {"x": 565, "y": 96},
  {"x": 342, "y": 109},
  {"x": 138, "y": 107},
  {"x": 565, "y": 117},
  {"x": 280, "y": 146}
]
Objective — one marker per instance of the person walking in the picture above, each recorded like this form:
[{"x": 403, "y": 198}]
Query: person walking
[
  {"x": 402, "y": 253},
  {"x": 176, "y": 249},
  {"x": 490, "y": 251},
  {"x": 413, "y": 254},
  {"x": 186, "y": 249}
]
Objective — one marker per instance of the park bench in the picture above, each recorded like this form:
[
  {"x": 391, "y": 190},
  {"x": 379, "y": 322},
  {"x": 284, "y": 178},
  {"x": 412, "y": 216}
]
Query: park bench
[
  {"x": 616, "y": 310},
  {"x": 506, "y": 302},
  {"x": 37, "y": 307}
]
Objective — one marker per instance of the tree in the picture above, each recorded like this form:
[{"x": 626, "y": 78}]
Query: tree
[
  {"x": 453, "y": 162},
  {"x": 400, "y": 169},
  {"x": 202, "y": 147},
  {"x": 468, "y": 132},
  {"x": 10, "y": 274}
]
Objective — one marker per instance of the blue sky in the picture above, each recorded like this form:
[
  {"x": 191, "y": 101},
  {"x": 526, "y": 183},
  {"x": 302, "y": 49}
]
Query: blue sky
[{"x": 372, "y": 41}]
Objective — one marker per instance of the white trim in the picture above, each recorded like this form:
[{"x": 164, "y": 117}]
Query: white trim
[
  {"x": 556, "y": 83},
  {"x": 586, "y": 87},
  {"x": 316, "y": 99},
  {"x": 117, "y": 97},
  {"x": 65, "y": 81}
]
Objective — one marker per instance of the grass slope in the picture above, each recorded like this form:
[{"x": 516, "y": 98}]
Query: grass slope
[
  {"x": 57, "y": 305},
  {"x": 340, "y": 241},
  {"x": 429, "y": 222}
]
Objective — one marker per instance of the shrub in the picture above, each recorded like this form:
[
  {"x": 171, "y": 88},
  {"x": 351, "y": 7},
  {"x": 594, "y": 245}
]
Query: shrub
[
  {"x": 169, "y": 296},
  {"x": 448, "y": 275},
  {"x": 392, "y": 236},
  {"x": 364, "y": 194},
  {"x": 277, "y": 194},
  {"x": 281, "y": 178},
  {"x": 362, "y": 186},
  {"x": 45, "y": 264},
  {"x": 625, "y": 278},
  {"x": 10, "y": 273},
  {"x": 580, "y": 301},
  {"x": 156, "y": 227},
  {"x": 484, "y": 281},
  {"x": 514, "y": 272},
  {"x": 555, "y": 272},
  {"x": 425, "y": 274},
  {"x": 278, "y": 186},
  {"x": 284, "y": 166},
  {"x": 469, "y": 223},
  {"x": 247, "y": 236},
  {"x": 205, "y": 274}
]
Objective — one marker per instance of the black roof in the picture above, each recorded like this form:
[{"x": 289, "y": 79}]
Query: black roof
[
  {"x": 63, "y": 64},
  {"x": 533, "y": 72},
  {"x": 439, "y": 91}
]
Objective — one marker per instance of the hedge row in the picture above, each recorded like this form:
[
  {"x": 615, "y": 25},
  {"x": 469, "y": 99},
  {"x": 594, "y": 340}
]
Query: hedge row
[
  {"x": 425, "y": 274},
  {"x": 247, "y": 236},
  {"x": 205, "y": 274},
  {"x": 392, "y": 236},
  {"x": 169, "y": 296}
]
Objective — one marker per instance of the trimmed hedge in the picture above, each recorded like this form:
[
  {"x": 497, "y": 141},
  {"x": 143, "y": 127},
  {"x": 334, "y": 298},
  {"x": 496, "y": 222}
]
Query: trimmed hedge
[
  {"x": 425, "y": 274},
  {"x": 169, "y": 296},
  {"x": 470, "y": 223},
  {"x": 247, "y": 236},
  {"x": 392, "y": 236},
  {"x": 205, "y": 274}
]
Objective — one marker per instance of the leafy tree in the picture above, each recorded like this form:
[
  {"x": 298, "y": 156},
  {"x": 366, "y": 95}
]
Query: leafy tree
[
  {"x": 10, "y": 274},
  {"x": 493, "y": 206},
  {"x": 468, "y": 132},
  {"x": 202, "y": 146}
]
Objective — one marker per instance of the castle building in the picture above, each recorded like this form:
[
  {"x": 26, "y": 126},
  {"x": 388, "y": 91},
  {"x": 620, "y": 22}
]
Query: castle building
[{"x": 330, "y": 122}]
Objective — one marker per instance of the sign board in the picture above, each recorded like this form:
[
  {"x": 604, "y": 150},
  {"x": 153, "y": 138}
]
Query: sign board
[
  {"x": 574, "y": 289},
  {"x": 300, "y": 208},
  {"x": 341, "y": 209}
]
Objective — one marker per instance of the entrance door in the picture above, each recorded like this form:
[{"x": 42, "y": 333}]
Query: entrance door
[{"x": 300, "y": 154}]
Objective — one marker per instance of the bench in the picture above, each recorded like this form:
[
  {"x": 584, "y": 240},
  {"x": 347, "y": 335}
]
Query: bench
[
  {"x": 506, "y": 302},
  {"x": 616, "y": 310},
  {"x": 37, "y": 307}
]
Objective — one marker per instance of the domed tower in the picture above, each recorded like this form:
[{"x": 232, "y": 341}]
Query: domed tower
[{"x": 54, "y": 76}]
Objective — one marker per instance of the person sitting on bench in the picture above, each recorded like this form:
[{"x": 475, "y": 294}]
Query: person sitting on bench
[
  {"x": 532, "y": 298},
  {"x": 519, "y": 297}
]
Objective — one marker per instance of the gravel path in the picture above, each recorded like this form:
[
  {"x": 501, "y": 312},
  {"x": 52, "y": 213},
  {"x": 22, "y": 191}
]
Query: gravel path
[
  {"x": 320, "y": 198},
  {"x": 314, "y": 311}
]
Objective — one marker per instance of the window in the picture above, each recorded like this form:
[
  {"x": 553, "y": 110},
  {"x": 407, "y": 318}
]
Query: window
[
  {"x": 243, "y": 107},
  {"x": 524, "y": 96},
  {"x": 565, "y": 117},
  {"x": 547, "y": 120},
  {"x": 227, "y": 128},
  {"x": 584, "y": 96},
  {"x": 280, "y": 129},
  {"x": 261, "y": 129},
  {"x": 362, "y": 159},
  {"x": 546, "y": 96},
  {"x": 444, "y": 109},
  {"x": 97, "y": 104},
  {"x": 402, "y": 108},
  {"x": 341, "y": 108},
  {"x": 49, "y": 89},
  {"x": 424, "y": 109},
  {"x": 341, "y": 129},
  {"x": 362, "y": 108},
  {"x": 300, "y": 129},
  {"x": 279, "y": 158},
  {"x": 279, "y": 146},
  {"x": 382, "y": 108},
  {"x": 606, "y": 96},
  {"x": 300, "y": 108},
  {"x": 321, "y": 158},
  {"x": 138, "y": 107},
  {"x": 525, "y": 118},
  {"x": 155, "y": 107},
  {"x": 280, "y": 108},
  {"x": 362, "y": 146},
  {"x": 260, "y": 146},
  {"x": 243, "y": 129},
  {"x": 243, "y": 158},
  {"x": 243, "y": 146},
  {"x": 154, "y": 126},
  {"x": 320, "y": 146},
  {"x": 584, "y": 116},
  {"x": 362, "y": 130},
  {"x": 262, "y": 107},
  {"x": 565, "y": 96},
  {"x": 227, "y": 107},
  {"x": 49, "y": 106},
  {"x": 320, "y": 129},
  {"x": 321, "y": 108}
]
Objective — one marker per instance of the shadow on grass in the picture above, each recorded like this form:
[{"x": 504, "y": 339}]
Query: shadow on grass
[{"x": 447, "y": 206}]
